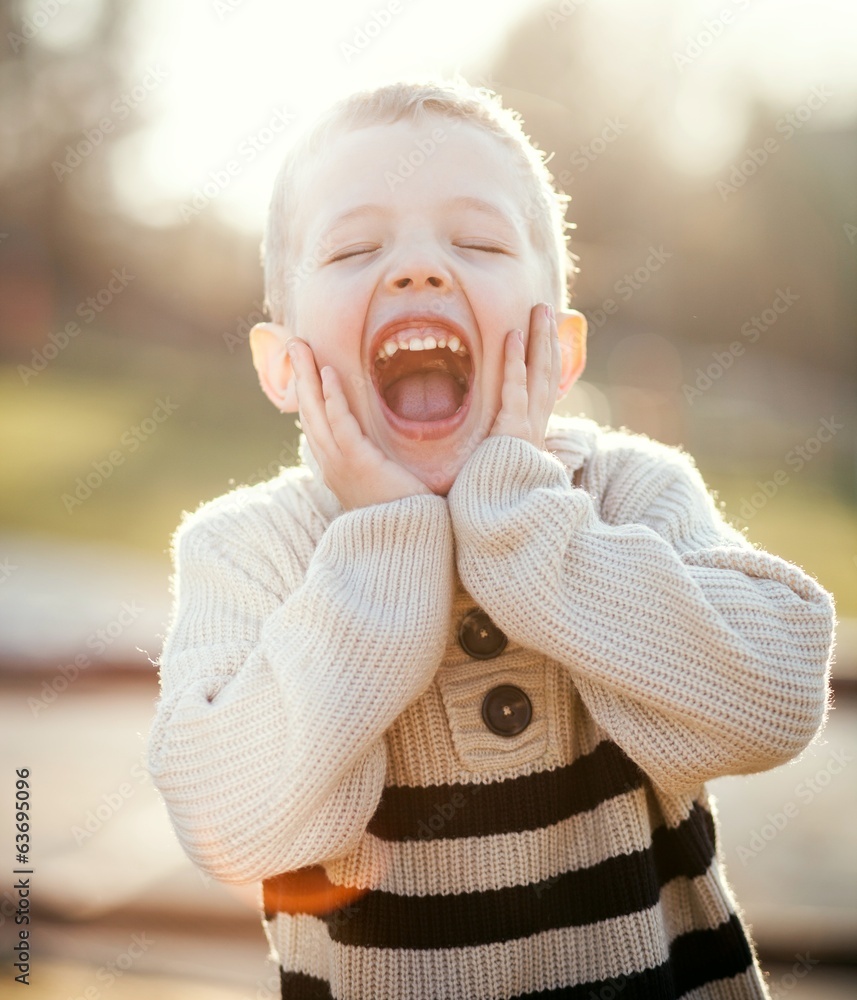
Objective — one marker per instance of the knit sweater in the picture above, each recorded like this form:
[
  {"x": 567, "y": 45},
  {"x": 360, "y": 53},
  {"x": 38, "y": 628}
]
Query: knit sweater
[{"x": 322, "y": 724}]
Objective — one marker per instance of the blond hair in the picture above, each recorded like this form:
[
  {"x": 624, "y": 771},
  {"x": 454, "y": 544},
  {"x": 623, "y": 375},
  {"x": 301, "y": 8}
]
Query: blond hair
[{"x": 412, "y": 100}]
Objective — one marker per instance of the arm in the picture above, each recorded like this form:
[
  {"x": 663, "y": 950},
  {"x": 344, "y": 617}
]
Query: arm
[
  {"x": 697, "y": 653},
  {"x": 279, "y": 680}
]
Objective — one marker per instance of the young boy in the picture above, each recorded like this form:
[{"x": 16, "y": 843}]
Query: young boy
[{"x": 452, "y": 688}]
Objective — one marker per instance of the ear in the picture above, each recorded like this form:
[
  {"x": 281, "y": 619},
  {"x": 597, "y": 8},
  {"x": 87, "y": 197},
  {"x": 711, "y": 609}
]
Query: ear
[
  {"x": 571, "y": 327},
  {"x": 272, "y": 364}
]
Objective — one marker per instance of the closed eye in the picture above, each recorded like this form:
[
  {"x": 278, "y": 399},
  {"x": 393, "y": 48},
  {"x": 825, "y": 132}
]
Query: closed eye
[
  {"x": 478, "y": 245},
  {"x": 351, "y": 252}
]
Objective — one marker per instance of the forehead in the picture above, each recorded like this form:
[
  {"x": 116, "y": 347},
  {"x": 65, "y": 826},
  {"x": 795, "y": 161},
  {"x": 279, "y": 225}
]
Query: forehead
[{"x": 436, "y": 164}]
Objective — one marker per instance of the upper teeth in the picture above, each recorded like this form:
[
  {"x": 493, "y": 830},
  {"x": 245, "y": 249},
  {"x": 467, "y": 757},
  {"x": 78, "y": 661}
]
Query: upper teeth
[{"x": 405, "y": 341}]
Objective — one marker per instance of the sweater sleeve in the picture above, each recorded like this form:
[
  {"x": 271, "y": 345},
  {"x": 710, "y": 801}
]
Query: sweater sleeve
[
  {"x": 697, "y": 653},
  {"x": 267, "y": 742}
]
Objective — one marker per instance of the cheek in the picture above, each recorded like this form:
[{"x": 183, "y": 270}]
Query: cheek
[
  {"x": 331, "y": 321},
  {"x": 508, "y": 310},
  {"x": 507, "y": 301}
]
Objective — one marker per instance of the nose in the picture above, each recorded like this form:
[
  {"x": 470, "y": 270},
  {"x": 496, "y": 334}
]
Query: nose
[{"x": 419, "y": 265}]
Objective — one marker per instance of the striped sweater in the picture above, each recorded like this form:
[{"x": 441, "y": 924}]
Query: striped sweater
[{"x": 432, "y": 818}]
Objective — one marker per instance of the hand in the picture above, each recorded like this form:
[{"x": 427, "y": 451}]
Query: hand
[
  {"x": 354, "y": 468},
  {"x": 530, "y": 379}
]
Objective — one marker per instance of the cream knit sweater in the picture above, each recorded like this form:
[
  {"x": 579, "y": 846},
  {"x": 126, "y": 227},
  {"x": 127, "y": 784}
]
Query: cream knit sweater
[{"x": 320, "y": 726}]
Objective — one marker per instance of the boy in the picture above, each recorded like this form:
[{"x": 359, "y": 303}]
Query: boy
[{"x": 452, "y": 688}]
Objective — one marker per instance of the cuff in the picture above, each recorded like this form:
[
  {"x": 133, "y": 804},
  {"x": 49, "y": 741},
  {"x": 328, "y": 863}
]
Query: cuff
[
  {"x": 509, "y": 483},
  {"x": 393, "y": 553}
]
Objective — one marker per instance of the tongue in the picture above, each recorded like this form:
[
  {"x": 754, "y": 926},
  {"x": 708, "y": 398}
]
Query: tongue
[{"x": 429, "y": 395}]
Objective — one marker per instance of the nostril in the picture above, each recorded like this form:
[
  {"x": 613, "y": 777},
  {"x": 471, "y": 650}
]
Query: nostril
[{"x": 432, "y": 279}]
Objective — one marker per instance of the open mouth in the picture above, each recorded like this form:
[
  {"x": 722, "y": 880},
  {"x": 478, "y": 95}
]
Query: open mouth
[{"x": 423, "y": 374}]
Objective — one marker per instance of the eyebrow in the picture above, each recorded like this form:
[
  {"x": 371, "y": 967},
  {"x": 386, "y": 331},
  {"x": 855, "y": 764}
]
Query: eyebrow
[
  {"x": 461, "y": 201},
  {"x": 353, "y": 213},
  {"x": 479, "y": 205}
]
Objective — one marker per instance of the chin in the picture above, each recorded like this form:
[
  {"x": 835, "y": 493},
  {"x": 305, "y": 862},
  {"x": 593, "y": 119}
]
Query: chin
[
  {"x": 439, "y": 481},
  {"x": 438, "y": 476}
]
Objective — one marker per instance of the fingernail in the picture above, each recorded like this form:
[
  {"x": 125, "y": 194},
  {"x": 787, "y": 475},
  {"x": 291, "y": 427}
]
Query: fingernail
[
  {"x": 520, "y": 334},
  {"x": 549, "y": 311}
]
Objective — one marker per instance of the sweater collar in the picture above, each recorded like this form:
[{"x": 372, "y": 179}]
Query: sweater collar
[{"x": 571, "y": 439}]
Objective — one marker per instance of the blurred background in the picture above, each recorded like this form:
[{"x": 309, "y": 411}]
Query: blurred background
[{"x": 710, "y": 149}]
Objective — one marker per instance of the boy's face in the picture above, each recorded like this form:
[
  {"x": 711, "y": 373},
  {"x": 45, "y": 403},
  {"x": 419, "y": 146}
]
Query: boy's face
[{"x": 416, "y": 232}]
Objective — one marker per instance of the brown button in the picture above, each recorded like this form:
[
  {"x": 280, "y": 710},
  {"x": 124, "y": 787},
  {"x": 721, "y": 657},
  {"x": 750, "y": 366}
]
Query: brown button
[
  {"x": 479, "y": 637},
  {"x": 506, "y": 710}
]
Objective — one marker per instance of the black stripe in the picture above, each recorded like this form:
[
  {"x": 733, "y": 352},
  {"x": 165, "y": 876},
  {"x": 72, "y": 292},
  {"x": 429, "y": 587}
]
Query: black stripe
[
  {"x": 611, "y": 888},
  {"x": 687, "y": 849},
  {"x": 299, "y": 986},
  {"x": 700, "y": 957},
  {"x": 526, "y": 803}
]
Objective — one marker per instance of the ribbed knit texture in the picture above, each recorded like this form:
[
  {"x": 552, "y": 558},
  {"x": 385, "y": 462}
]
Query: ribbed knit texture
[{"x": 320, "y": 729}]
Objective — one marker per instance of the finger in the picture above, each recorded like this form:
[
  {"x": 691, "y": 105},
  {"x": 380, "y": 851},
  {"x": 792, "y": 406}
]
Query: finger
[
  {"x": 310, "y": 398},
  {"x": 343, "y": 424},
  {"x": 556, "y": 363},
  {"x": 540, "y": 366},
  {"x": 513, "y": 394},
  {"x": 311, "y": 404}
]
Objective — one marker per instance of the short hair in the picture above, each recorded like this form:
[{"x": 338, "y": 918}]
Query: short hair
[{"x": 387, "y": 104}]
